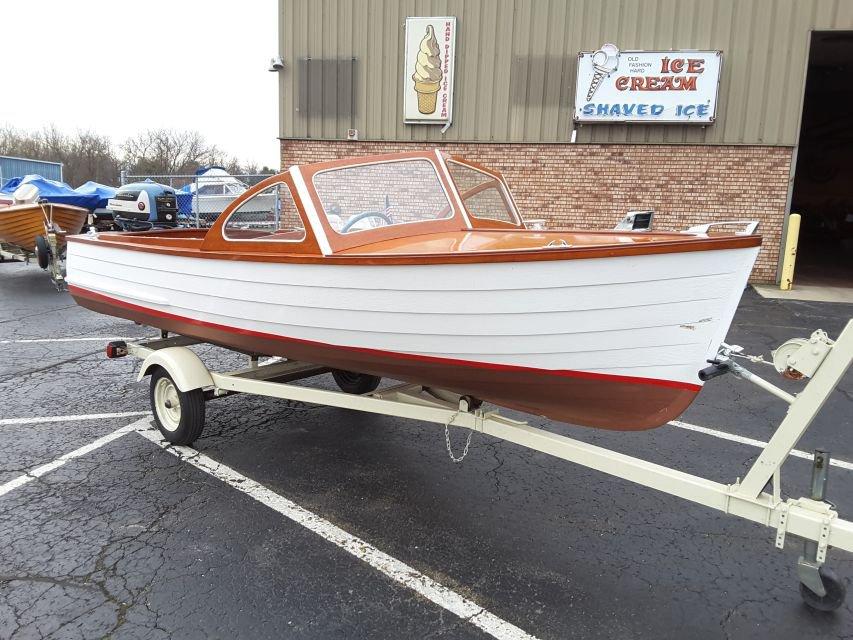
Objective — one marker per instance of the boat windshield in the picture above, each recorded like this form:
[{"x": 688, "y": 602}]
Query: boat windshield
[
  {"x": 362, "y": 197},
  {"x": 482, "y": 194},
  {"x": 269, "y": 215}
]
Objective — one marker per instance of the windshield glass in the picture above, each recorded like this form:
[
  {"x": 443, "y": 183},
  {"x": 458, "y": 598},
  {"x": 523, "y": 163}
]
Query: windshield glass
[
  {"x": 482, "y": 194},
  {"x": 381, "y": 194},
  {"x": 269, "y": 215}
]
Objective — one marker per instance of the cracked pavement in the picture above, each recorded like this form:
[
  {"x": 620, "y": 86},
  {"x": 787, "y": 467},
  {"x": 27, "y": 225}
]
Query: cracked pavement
[{"x": 129, "y": 541}]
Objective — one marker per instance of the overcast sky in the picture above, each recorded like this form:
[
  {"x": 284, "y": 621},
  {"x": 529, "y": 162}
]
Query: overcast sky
[{"x": 117, "y": 67}]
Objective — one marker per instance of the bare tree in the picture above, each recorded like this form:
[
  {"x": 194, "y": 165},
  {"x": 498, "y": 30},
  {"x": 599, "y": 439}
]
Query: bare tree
[
  {"x": 84, "y": 155},
  {"x": 87, "y": 155},
  {"x": 168, "y": 151},
  {"x": 15, "y": 142},
  {"x": 91, "y": 157}
]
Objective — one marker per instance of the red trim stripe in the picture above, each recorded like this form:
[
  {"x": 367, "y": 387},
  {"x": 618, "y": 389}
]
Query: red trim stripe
[{"x": 674, "y": 384}]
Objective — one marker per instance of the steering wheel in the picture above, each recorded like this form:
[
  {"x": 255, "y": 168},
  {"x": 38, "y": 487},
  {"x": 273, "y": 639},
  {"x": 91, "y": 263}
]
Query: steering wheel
[{"x": 366, "y": 214}]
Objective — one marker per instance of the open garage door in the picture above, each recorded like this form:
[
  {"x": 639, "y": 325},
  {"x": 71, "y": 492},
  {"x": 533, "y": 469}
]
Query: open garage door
[{"x": 823, "y": 182}]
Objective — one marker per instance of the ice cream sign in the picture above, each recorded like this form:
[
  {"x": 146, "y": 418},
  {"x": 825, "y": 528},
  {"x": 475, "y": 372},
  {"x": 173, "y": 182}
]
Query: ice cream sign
[
  {"x": 647, "y": 86},
  {"x": 428, "y": 70}
]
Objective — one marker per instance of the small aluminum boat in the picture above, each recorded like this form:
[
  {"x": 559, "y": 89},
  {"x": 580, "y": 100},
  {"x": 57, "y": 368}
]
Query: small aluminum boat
[{"x": 419, "y": 267}]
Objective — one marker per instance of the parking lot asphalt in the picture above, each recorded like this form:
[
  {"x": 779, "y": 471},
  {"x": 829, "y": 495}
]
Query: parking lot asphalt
[{"x": 121, "y": 538}]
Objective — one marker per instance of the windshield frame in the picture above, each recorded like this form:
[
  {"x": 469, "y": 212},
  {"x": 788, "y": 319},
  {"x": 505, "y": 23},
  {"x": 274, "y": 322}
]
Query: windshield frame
[
  {"x": 338, "y": 242},
  {"x": 503, "y": 190}
]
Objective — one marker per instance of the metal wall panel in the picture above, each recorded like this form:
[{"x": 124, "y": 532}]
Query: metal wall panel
[
  {"x": 516, "y": 63},
  {"x": 18, "y": 167}
]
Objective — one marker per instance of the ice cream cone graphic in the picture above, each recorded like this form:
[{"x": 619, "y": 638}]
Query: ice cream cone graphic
[
  {"x": 604, "y": 62},
  {"x": 427, "y": 76}
]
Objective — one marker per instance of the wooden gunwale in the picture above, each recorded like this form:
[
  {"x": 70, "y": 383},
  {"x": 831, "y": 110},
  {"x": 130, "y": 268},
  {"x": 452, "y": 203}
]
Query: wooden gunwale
[
  {"x": 679, "y": 245},
  {"x": 20, "y": 224}
]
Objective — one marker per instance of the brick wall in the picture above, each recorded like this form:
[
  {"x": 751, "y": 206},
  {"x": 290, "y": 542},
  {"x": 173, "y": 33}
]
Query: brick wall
[{"x": 592, "y": 185}]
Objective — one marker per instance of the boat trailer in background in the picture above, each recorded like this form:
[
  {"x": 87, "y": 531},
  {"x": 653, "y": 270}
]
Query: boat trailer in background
[
  {"x": 49, "y": 254},
  {"x": 181, "y": 383}
]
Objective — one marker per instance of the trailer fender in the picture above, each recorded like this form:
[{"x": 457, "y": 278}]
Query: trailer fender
[{"x": 182, "y": 365}]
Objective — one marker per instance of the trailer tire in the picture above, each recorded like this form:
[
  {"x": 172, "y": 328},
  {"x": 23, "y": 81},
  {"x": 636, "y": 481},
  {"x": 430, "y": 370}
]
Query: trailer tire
[
  {"x": 356, "y": 383},
  {"x": 179, "y": 414},
  {"x": 836, "y": 591}
]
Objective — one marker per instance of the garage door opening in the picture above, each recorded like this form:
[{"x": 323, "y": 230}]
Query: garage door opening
[{"x": 823, "y": 181}]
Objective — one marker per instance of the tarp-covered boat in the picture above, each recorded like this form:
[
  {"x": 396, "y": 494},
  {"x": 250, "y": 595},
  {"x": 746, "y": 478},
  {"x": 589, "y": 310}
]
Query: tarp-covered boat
[
  {"x": 90, "y": 195},
  {"x": 418, "y": 267}
]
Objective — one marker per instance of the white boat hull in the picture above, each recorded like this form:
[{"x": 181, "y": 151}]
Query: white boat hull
[{"x": 644, "y": 323}]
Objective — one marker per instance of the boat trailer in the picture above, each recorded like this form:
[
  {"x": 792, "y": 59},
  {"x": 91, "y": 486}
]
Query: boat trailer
[
  {"x": 181, "y": 384},
  {"x": 49, "y": 254}
]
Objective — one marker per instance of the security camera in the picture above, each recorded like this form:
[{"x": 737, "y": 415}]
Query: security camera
[{"x": 276, "y": 64}]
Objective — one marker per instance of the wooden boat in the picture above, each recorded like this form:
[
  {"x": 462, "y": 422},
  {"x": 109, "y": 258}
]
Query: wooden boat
[
  {"x": 418, "y": 267},
  {"x": 21, "y": 224}
]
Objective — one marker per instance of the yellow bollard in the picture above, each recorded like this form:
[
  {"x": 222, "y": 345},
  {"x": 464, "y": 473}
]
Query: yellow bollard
[{"x": 789, "y": 259}]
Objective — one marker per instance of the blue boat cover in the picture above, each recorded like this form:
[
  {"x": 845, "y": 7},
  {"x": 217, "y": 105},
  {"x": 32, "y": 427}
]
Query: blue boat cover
[
  {"x": 102, "y": 191},
  {"x": 90, "y": 195}
]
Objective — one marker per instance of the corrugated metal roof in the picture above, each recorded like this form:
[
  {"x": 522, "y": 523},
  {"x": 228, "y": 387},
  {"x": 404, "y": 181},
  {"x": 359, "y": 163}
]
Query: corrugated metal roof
[{"x": 516, "y": 63}]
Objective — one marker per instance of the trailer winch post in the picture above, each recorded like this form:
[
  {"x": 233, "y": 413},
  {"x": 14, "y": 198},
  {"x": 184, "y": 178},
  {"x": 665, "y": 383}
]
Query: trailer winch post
[{"x": 800, "y": 415}]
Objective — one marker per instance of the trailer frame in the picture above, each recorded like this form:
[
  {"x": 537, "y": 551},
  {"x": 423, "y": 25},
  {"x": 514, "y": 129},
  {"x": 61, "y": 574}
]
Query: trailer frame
[{"x": 811, "y": 519}]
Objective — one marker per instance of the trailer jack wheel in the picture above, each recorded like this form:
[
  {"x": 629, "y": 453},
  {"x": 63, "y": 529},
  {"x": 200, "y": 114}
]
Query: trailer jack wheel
[
  {"x": 179, "y": 414},
  {"x": 835, "y": 589},
  {"x": 820, "y": 587}
]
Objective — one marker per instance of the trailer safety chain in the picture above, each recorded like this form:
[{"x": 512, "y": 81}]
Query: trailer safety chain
[{"x": 447, "y": 440}]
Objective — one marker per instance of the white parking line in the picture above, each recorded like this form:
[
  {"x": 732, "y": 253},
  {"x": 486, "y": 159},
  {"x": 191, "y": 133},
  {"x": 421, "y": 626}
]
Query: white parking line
[
  {"x": 73, "y": 418},
  {"x": 387, "y": 565},
  {"x": 85, "y": 339},
  {"x": 843, "y": 464},
  {"x": 38, "y": 472},
  {"x": 391, "y": 567}
]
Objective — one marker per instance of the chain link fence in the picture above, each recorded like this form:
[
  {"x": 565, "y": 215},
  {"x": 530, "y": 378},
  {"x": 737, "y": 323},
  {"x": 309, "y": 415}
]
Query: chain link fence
[{"x": 201, "y": 198}]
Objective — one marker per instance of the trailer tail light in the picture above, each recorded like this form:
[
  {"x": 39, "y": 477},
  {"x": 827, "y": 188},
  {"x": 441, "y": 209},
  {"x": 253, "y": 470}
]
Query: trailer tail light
[{"x": 117, "y": 349}]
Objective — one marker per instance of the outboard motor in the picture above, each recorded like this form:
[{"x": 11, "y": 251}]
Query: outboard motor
[
  {"x": 25, "y": 194},
  {"x": 145, "y": 204}
]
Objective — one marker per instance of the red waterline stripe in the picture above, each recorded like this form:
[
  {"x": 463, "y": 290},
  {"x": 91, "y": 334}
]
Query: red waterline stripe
[{"x": 566, "y": 373}]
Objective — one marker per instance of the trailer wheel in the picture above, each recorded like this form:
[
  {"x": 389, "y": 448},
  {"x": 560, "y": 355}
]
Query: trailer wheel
[
  {"x": 42, "y": 252},
  {"x": 357, "y": 383},
  {"x": 179, "y": 414},
  {"x": 836, "y": 591}
]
